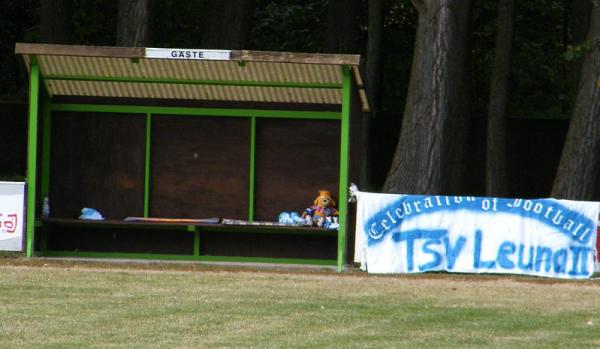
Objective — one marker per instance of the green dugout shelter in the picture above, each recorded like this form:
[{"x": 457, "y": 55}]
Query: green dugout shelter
[{"x": 186, "y": 135}]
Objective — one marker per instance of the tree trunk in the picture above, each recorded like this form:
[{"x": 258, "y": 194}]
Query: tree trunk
[
  {"x": 579, "y": 23},
  {"x": 373, "y": 72},
  {"x": 375, "y": 28},
  {"x": 496, "y": 181},
  {"x": 579, "y": 166},
  {"x": 434, "y": 111},
  {"x": 227, "y": 24},
  {"x": 341, "y": 27},
  {"x": 133, "y": 27},
  {"x": 56, "y": 21}
]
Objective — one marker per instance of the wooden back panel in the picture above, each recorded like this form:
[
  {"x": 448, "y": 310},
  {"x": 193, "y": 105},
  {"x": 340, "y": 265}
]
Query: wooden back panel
[
  {"x": 200, "y": 167},
  {"x": 97, "y": 160},
  {"x": 294, "y": 159}
]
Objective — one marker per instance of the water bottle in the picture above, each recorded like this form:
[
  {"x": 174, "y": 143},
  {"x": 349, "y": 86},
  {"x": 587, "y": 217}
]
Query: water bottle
[{"x": 46, "y": 207}]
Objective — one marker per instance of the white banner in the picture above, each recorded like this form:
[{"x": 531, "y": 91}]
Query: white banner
[
  {"x": 186, "y": 53},
  {"x": 467, "y": 234},
  {"x": 12, "y": 216}
]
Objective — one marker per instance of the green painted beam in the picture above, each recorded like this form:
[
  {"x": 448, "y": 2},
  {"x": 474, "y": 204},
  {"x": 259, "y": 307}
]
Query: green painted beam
[
  {"x": 344, "y": 164},
  {"x": 226, "y": 112},
  {"x": 252, "y": 168},
  {"x": 279, "y": 84},
  {"x": 147, "y": 165},
  {"x": 34, "y": 80},
  {"x": 324, "y": 262}
]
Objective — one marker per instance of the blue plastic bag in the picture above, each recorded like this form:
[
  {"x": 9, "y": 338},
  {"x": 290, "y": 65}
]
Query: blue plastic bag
[{"x": 90, "y": 214}]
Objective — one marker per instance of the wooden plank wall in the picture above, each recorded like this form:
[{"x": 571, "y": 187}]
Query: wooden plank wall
[
  {"x": 294, "y": 159},
  {"x": 200, "y": 167},
  {"x": 97, "y": 160}
]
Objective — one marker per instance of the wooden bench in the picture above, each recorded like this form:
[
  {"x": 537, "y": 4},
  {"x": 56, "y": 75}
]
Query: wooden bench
[{"x": 196, "y": 234}]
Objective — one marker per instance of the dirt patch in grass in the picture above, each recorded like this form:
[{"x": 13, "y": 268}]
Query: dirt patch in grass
[{"x": 168, "y": 266}]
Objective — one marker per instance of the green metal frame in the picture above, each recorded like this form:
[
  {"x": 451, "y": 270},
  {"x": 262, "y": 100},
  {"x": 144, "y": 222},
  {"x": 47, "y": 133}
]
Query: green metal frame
[
  {"x": 185, "y": 111},
  {"x": 34, "y": 88},
  {"x": 344, "y": 163},
  {"x": 152, "y": 111}
]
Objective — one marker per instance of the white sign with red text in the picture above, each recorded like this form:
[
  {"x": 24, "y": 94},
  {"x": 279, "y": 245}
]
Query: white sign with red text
[{"x": 12, "y": 217}]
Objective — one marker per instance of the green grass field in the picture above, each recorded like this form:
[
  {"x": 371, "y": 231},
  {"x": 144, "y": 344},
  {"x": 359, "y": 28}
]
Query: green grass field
[{"x": 61, "y": 304}]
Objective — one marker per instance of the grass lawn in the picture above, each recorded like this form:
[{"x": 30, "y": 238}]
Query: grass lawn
[{"x": 86, "y": 305}]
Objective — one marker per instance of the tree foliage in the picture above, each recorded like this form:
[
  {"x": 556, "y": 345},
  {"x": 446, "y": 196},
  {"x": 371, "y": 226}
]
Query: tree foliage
[
  {"x": 56, "y": 21},
  {"x": 538, "y": 83},
  {"x": 397, "y": 42},
  {"x": 18, "y": 22},
  {"x": 226, "y": 24},
  {"x": 177, "y": 23},
  {"x": 547, "y": 52},
  {"x": 288, "y": 25},
  {"x": 95, "y": 22}
]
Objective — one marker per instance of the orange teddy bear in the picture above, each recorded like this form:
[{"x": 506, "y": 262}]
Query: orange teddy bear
[{"x": 322, "y": 213}]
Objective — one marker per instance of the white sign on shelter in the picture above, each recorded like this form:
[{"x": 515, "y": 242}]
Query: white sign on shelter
[
  {"x": 12, "y": 218},
  {"x": 186, "y": 53}
]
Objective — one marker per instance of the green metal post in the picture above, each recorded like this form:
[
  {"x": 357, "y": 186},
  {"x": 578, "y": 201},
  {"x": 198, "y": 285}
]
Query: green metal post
[
  {"x": 344, "y": 150},
  {"x": 252, "y": 159},
  {"x": 34, "y": 81},
  {"x": 196, "y": 243},
  {"x": 147, "y": 165}
]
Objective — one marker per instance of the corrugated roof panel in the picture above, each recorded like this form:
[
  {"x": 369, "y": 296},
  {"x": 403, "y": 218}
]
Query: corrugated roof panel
[
  {"x": 185, "y": 69},
  {"x": 80, "y": 65},
  {"x": 194, "y": 92}
]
